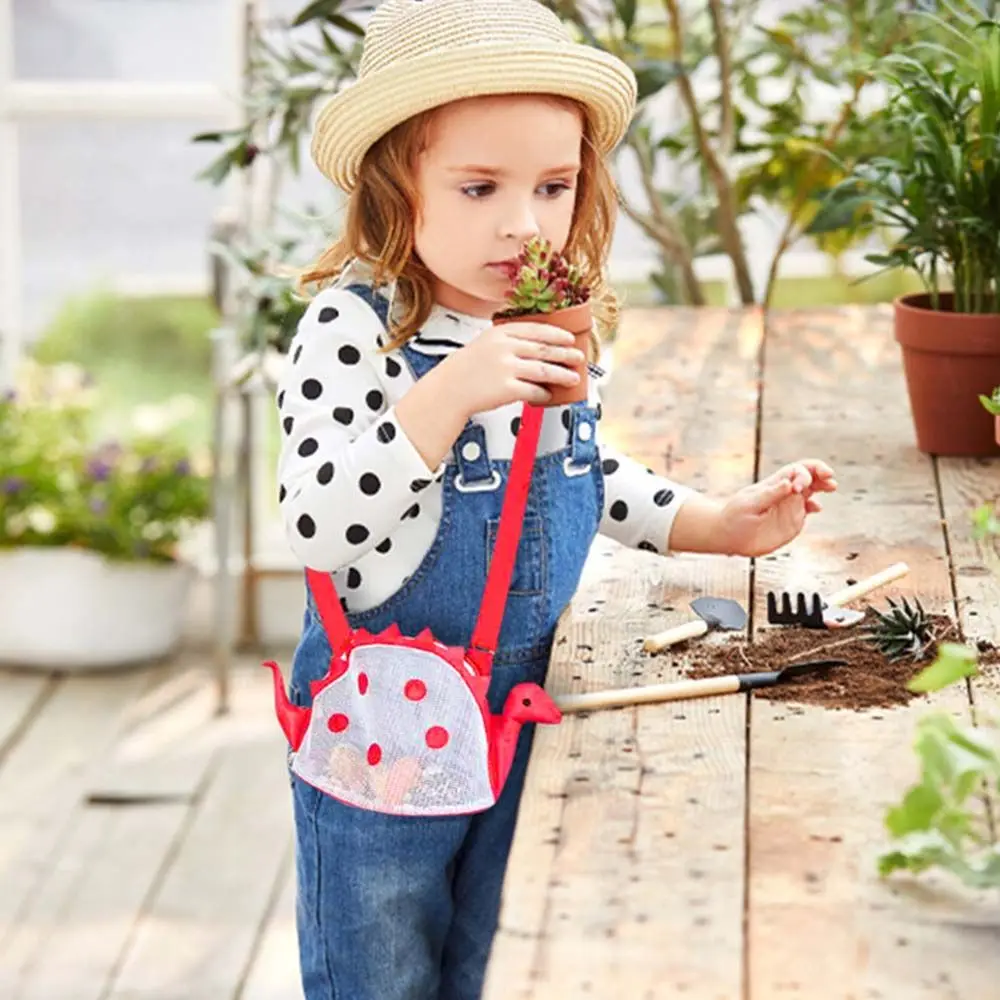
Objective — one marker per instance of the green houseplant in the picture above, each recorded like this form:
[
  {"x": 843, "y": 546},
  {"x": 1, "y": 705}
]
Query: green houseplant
[
  {"x": 90, "y": 530},
  {"x": 937, "y": 194},
  {"x": 548, "y": 289}
]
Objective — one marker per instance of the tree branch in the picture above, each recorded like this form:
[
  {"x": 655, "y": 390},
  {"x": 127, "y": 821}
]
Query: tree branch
[
  {"x": 729, "y": 231},
  {"x": 727, "y": 124}
]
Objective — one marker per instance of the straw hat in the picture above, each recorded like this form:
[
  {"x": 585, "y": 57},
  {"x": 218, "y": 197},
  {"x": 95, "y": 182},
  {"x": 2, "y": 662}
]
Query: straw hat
[{"x": 419, "y": 54}]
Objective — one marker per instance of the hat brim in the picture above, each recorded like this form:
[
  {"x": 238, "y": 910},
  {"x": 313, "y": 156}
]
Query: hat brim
[{"x": 354, "y": 119}]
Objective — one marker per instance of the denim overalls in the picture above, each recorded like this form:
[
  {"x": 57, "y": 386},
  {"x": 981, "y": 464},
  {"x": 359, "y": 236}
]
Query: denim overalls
[{"x": 405, "y": 908}]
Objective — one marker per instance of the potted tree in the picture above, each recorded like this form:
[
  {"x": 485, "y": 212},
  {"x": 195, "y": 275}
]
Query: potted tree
[
  {"x": 937, "y": 192},
  {"x": 89, "y": 531}
]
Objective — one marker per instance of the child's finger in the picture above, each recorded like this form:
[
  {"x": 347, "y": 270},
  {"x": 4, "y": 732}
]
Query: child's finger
[{"x": 768, "y": 492}]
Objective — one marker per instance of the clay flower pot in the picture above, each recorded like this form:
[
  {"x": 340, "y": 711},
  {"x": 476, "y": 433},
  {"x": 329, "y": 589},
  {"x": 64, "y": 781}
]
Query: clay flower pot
[
  {"x": 949, "y": 360},
  {"x": 579, "y": 321}
]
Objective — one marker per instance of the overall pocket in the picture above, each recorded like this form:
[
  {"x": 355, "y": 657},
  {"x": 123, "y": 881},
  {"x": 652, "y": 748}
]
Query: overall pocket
[{"x": 531, "y": 566}]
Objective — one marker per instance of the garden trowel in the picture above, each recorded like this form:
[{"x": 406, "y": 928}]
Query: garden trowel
[{"x": 712, "y": 612}]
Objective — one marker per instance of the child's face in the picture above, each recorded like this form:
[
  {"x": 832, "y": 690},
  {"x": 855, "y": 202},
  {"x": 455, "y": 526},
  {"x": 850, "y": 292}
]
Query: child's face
[{"x": 495, "y": 171}]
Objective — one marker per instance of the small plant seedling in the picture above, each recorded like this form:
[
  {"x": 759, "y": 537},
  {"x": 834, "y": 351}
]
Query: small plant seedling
[{"x": 545, "y": 283}]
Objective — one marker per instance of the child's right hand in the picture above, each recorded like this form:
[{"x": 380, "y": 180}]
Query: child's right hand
[{"x": 510, "y": 363}]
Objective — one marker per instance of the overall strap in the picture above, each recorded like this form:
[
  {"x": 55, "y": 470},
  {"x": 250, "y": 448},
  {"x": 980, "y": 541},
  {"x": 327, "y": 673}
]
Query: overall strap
[{"x": 483, "y": 646}]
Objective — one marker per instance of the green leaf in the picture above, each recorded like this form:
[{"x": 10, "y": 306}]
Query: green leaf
[
  {"x": 346, "y": 24},
  {"x": 915, "y": 812},
  {"x": 953, "y": 663},
  {"x": 837, "y": 213},
  {"x": 652, "y": 75},
  {"x": 314, "y": 11},
  {"x": 626, "y": 11}
]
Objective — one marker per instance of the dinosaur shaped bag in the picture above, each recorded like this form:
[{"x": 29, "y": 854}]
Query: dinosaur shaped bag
[{"x": 401, "y": 724}]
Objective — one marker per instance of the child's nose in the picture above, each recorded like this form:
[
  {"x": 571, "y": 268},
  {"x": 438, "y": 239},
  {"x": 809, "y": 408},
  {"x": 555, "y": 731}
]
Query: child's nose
[{"x": 522, "y": 224}]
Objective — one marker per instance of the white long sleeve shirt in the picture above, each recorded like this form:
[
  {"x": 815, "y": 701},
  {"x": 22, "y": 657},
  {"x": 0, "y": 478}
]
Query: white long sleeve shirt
[{"x": 357, "y": 498}]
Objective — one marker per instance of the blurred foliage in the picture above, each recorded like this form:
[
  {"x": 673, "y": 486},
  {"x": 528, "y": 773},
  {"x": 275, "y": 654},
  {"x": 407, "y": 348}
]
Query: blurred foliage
[
  {"x": 936, "y": 183},
  {"x": 170, "y": 333},
  {"x": 130, "y": 498}
]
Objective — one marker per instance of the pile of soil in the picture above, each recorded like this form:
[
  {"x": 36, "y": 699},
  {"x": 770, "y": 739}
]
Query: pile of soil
[{"x": 868, "y": 679}]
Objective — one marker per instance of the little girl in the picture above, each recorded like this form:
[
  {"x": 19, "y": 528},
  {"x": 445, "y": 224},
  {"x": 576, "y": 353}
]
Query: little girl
[{"x": 474, "y": 125}]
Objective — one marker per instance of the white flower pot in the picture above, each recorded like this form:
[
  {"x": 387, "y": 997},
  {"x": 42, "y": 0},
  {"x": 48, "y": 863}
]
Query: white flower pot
[{"x": 68, "y": 609}]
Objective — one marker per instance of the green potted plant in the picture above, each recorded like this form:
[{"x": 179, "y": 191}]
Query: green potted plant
[
  {"x": 548, "y": 289},
  {"x": 937, "y": 193},
  {"x": 90, "y": 568}
]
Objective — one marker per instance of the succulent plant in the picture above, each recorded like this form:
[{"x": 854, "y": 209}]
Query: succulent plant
[
  {"x": 903, "y": 630},
  {"x": 546, "y": 282}
]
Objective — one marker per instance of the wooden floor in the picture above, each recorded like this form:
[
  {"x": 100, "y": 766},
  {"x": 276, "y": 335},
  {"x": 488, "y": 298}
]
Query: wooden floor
[{"x": 714, "y": 850}]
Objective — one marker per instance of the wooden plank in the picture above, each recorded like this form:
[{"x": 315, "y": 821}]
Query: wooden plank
[
  {"x": 821, "y": 924},
  {"x": 274, "y": 974},
  {"x": 631, "y": 817},
  {"x": 195, "y": 939},
  {"x": 23, "y": 695},
  {"x": 45, "y": 774},
  {"x": 87, "y": 899}
]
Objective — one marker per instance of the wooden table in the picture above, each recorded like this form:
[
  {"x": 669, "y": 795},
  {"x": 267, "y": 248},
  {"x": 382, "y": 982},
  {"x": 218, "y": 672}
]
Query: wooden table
[{"x": 725, "y": 849}]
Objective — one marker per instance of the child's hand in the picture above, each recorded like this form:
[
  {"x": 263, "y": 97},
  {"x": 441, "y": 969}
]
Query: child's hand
[
  {"x": 761, "y": 518},
  {"x": 510, "y": 363}
]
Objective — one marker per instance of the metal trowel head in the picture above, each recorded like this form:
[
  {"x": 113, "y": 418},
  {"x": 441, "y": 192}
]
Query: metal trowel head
[{"x": 720, "y": 612}]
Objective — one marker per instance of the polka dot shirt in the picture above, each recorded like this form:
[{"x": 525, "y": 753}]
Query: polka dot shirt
[{"x": 357, "y": 498}]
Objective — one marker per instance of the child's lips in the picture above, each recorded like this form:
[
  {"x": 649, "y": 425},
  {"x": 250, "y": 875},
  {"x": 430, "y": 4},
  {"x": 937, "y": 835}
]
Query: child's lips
[{"x": 507, "y": 268}]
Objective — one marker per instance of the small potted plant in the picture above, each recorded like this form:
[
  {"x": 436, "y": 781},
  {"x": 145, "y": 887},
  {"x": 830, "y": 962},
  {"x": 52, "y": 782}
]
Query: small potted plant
[
  {"x": 548, "y": 289},
  {"x": 937, "y": 194},
  {"x": 90, "y": 568}
]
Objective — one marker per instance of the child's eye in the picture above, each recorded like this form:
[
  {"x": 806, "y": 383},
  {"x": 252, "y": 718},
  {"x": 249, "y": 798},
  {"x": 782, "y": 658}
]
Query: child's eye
[
  {"x": 553, "y": 189},
  {"x": 478, "y": 190}
]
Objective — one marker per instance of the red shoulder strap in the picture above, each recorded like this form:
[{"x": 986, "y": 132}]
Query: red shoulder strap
[
  {"x": 487, "y": 631},
  {"x": 483, "y": 646},
  {"x": 331, "y": 614}
]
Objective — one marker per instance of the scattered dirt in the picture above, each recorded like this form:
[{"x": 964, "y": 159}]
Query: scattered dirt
[{"x": 867, "y": 680}]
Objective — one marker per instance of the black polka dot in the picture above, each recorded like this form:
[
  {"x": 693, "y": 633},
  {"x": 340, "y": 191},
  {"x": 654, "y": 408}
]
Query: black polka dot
[
  {"x": 650, "y": 472},
  {"x": 419, "y": 484},
  {"x": 343, "y": 415},
  {"x": 312, "y": 388},
  {"x": 567, "y": 418},
  {"x": 648, "y": 547},
  {"x": 386, "y": 433},
  {"x": 308, "y": 447},
  {"x": 370, "y": 484},
  {"x": 392, "y": 368},
  {"x": 609, "y": 465},
  {"x": 619, "y": 510},
  {"x": 328, "y": 314},
  {"x": 600, "y": 411},
  {"x": 349, "y": 355},
  {"x": 288, "y": 423},
  {"x": 297, "y": 355},
  {"x": 281, "y": 399},
  {"x": 306, "y": 526},
  {"x": 663, "y": 497},
  {"x": 414, "y": 511},
  {"x": 282, "y": 493},
  {"x": 375, "y": 399},
  {"x": 357, "y": 534},
  {"x": 515, "y": 426},
  {"x": 343, "y": 605},
  {"x": 384, "y": 547},
  {"x": 325, "y": 473},
  {"x": 353, "y": 579}
]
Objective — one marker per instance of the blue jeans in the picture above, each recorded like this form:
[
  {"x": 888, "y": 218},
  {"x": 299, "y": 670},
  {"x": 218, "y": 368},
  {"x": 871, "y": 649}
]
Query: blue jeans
[{"x": 404, "y": 908}]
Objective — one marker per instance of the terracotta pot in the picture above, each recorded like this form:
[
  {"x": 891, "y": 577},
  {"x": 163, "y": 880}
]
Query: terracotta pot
[
  {"x": 579, "y": 321},
  {"x": 949, "y": 360}
]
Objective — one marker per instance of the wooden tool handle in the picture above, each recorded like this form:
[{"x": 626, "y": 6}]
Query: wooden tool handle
[
  {"x": 689, "y": 630},
  {"x": 862, "y": 587},
  {"x": 593, "y": 700}
]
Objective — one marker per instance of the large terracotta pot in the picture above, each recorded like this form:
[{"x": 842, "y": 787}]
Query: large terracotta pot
[
  {"x": 579, "y": 321},
  {"x": 949, "y": 360}
]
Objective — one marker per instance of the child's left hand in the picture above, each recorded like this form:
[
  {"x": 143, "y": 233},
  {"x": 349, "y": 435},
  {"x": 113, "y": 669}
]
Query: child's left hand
[{"x": 767, "y": 515}]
